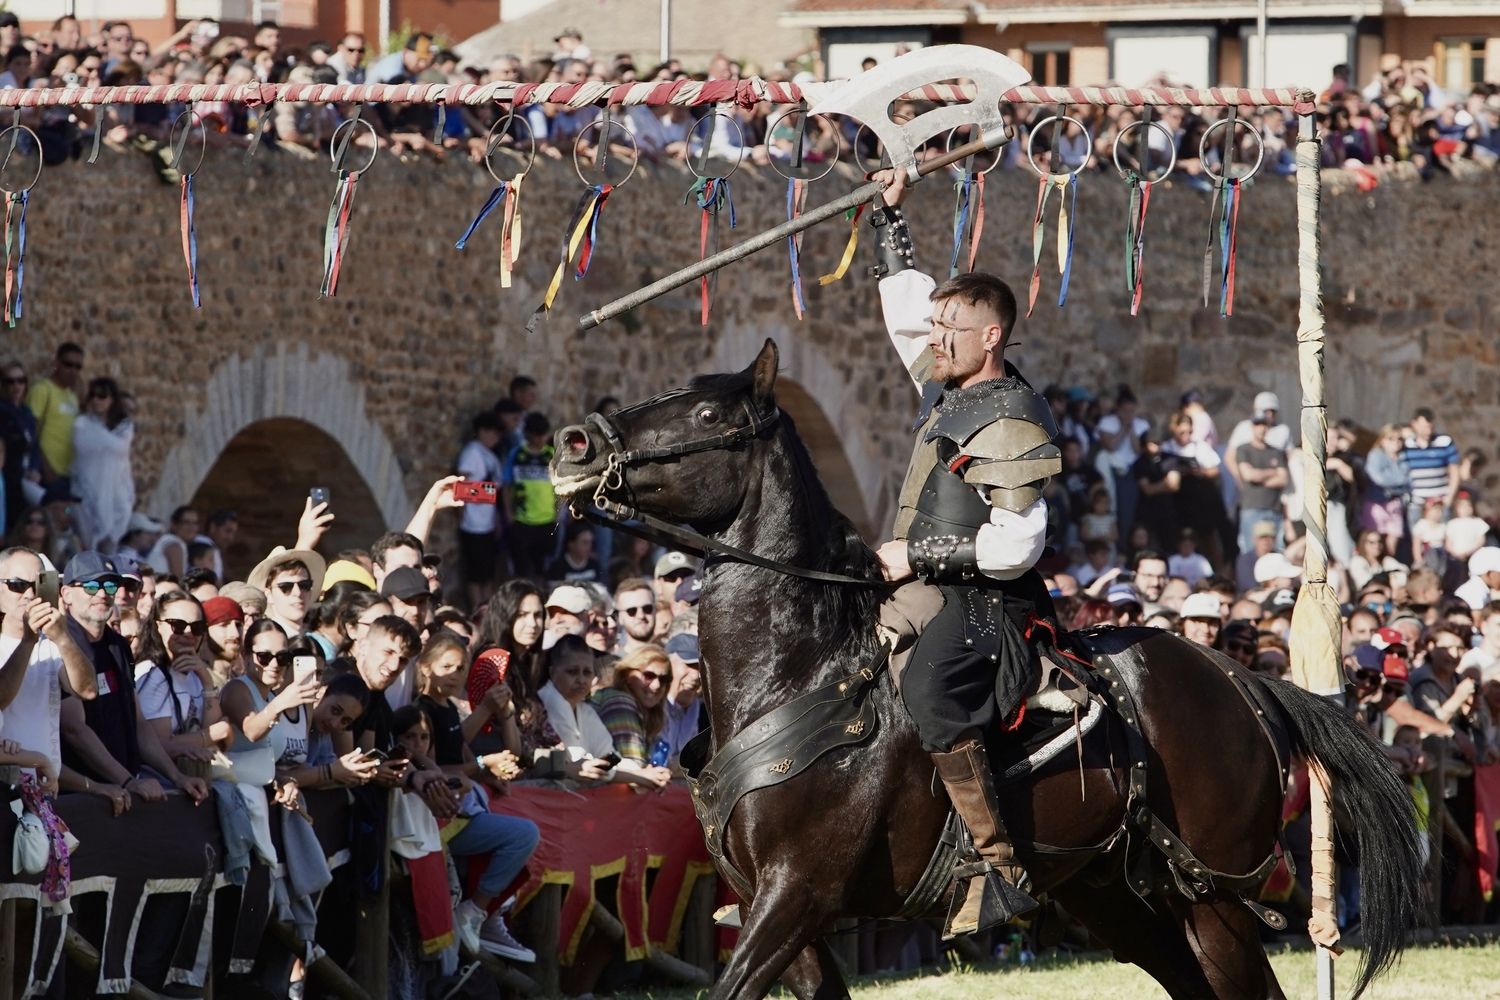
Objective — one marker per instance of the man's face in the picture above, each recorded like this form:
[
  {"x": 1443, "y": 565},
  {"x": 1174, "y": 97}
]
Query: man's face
[
  {"x": 401, "y": 555},
  {"x": 637, "y": 611},
  {"x": 1174, "y": 593},
  {"x": 119, "y": 39},
  {"x": 90, "y": 609},
  {"x": 227, "y": 635},
  {"x": 1151, "y": 578},
  {"x": 1203, "y": 631},
  {"x": 961, "y": 338},
  {"x": 67, "y": 368},
  {"x": 561, "y": 621},
  {"x": 353, "y": 50},
  {"x": 1421, "y": 427},
  {"x": 1258, "y": 432},
  {"x": 576, "y": 71},
  {"x": 20, "y": 568},
  {"x": 378, "y": 656},
  {"x": 666, "y": 586},
  {"x": 15, "y": 384},
  {"x": 269, "y": 38},
  {"x": 1361, "y": 627},
  {"x": 68, "y": 36},
  {"x": 413, "y": 610},
  {"x": 287, "y": 595},
  {"x": 1182, "y": 433},
  {"x": 223, "y": 533}
]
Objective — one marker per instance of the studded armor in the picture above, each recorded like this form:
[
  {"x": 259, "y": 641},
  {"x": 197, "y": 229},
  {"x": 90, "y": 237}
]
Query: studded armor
[{"x": 893, "y": 248}]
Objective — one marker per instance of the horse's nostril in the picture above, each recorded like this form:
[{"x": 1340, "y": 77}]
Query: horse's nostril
[{"x": 575, "y": 442}]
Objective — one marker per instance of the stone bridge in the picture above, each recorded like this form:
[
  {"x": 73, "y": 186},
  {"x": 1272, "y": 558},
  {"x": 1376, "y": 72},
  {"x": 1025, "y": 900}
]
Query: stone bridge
[{"x": 268, "y": 389}]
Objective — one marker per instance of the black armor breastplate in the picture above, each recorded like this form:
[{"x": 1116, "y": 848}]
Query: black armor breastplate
[{"x": 947, "y": 506}]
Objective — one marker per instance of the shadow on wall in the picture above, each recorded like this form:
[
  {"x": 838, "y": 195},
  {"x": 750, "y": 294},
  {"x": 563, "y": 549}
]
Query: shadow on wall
[
  {"x": 264, "y": 473},
  {"x": 827, "y": 453}
]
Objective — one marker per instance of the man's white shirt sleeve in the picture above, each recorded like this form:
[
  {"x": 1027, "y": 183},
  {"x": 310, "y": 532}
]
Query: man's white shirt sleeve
[{"x": 1012, "y": 542}]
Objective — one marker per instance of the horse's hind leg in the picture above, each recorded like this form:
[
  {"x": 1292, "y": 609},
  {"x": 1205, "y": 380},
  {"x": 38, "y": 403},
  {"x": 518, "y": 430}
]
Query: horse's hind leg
[
  {"x": 1139, "y": 935},
  {"x": 778, "y": 930},
  {"x": 815, "y": 974},
  {"x": 1226, "y": 938}
]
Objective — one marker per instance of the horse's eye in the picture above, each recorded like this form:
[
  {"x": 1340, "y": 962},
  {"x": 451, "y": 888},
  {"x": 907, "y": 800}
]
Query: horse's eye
[{"x": 708, "y": 416}]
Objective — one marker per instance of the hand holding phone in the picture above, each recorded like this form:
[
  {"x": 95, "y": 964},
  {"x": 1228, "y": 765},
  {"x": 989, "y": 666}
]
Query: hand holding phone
[
  {"x": 47, "y": 588},
  {"x": 304, "y": 667},
  {"x": 318, "y": 494}
]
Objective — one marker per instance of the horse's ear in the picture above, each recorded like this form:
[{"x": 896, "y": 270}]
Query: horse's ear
[{"x": 763, "y": 372}]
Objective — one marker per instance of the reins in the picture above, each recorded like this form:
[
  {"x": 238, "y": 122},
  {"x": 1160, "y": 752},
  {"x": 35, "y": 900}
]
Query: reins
[{"x": 625, "y": 517}]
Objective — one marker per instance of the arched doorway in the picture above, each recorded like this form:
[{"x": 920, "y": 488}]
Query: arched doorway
[
  {"x": 263, "y": 475},
  {"x": 827, "y": 452}
]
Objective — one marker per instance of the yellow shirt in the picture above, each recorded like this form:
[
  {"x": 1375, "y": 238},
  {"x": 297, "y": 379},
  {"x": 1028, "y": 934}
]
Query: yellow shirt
[{"x": 55, "y": 409}]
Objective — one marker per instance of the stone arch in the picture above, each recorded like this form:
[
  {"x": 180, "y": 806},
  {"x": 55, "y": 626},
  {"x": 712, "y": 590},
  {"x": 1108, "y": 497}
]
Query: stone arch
[
  {"x": 285, "y": 382},
  {"x": 829, "y": 396}
]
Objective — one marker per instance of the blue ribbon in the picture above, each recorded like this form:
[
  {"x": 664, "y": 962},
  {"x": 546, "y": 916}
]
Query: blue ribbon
[
  {"x": 1072, "y": 194},
  {"x": 495, "y": 200},
  {"x": 586, "y": 259},
  {"x": 1231, "y": 195},
  {"x": 960, "y": 219},
  {"x": 23, "y": 198},
  {"x": 791, "y": 249},
  {"x": 192, "y": 233}
]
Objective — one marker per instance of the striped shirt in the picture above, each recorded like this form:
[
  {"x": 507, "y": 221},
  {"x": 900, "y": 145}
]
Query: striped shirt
[{"x": 1429, "y": 465}]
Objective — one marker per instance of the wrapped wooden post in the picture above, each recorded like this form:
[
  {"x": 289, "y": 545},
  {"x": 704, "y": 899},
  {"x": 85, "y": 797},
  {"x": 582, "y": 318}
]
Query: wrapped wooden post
[{"x": 1317, "y": 630}]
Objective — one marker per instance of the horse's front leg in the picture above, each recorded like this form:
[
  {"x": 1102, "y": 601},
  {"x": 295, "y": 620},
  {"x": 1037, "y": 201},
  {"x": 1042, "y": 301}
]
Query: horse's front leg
[{"x": 777, "y": 938}]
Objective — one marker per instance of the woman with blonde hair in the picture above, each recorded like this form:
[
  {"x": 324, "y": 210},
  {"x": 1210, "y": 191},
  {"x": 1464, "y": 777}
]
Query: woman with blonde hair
[{"x": 633, "y": 709}]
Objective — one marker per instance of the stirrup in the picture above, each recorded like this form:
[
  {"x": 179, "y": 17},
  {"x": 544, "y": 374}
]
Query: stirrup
[{"x": 1000, "y": 902}]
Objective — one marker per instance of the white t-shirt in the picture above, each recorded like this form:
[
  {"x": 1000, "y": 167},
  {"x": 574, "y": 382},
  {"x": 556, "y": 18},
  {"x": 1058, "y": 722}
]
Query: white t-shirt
[
  {"x": 157, "y": 557},
  {"x": 581, "y": 729},
  {"x": 1475, "y": 593},
  {"x": 32, "y": 719},
  {"x": 1191, "y": 568},
  {"x": 1479, "y": 658},
  {"x": 478, "y": 464},
  {"x": 155, "y": 699},
  {"x": 1123, "y": 455},
  {"x": 295, "y": 753},
  {"x": 1199, "y": 451}
]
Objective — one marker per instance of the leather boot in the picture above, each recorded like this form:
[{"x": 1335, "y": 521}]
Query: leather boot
[{"x": 990, "y": 894}]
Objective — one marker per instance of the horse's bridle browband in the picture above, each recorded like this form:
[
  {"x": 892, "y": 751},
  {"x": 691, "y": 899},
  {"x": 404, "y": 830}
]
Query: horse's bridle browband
[{"x": 614, "y": 514}]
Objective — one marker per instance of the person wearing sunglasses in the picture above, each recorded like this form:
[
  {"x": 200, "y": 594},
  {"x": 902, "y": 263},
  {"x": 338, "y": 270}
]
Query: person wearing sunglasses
[
  {"x": 55, "y": 404},
  {"x": 108, "y": 739},
  {"x": 635, "y": 606},
  {"x": 292, "y": 580},
  {"x": 175, "y": 685},
  {"x": 632, "y": 710},
  {"x": 255, "y": 701}
]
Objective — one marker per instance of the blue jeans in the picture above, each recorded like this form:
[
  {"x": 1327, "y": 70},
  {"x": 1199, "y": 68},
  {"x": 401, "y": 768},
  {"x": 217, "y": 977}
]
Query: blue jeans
[
  {"x": 1249, "y": 518},
  {"x": 508, "y": 840}
]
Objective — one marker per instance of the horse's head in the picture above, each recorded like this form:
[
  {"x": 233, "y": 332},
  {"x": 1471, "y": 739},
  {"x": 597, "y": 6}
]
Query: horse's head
[{"x": 683, "y": 455}]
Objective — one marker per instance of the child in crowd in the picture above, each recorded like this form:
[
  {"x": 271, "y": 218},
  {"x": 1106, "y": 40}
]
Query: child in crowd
[
  {"x": 1429, "y": 532},
  {"x": 1100, "y": 523},
  {"x": 1187, "y": 562}
]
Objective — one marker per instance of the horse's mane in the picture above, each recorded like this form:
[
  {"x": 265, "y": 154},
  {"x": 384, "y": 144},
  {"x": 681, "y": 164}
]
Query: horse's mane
[{"x": 843, "y": 615}]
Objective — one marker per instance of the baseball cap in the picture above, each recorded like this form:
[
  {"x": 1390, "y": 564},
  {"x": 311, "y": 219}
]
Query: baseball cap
[
  {"x": 1203, "y": 605},
  {"x": 217, "y": 610},
  {"x": 1279, "y": 601},
  {"x": 684, "y": 647},
  {"x": 568, "y": 33},
  {"x": 1385, "y": 638},
  {"x": 1275, "y": 566},
  {"x": 141, "y": 521},
  {"x": 1263, "y": 529},
  {"x": 1486, "y": 560},
  {"x": 574, "y": 600},
  {"x": 1266, "y": 401},
  {"x": 673, "y": 562},
  {"x": 1367, "y": 657},
  {"x": 88, "y": 566},
  {"x": 1121, "y": 594},
  {"x": 127, "y": 566},
  {"x": 405, "y": 583},
  {"x": 690, "y": 590},
  {"x": 342, "y": 570}
]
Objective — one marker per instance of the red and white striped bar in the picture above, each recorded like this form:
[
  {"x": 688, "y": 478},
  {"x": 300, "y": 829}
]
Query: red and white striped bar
[{"x": 685, "y": 92}]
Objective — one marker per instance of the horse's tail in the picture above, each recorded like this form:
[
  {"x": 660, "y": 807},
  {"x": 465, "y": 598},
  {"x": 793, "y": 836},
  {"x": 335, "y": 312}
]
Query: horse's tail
[{"x": 1377, "y": 808}]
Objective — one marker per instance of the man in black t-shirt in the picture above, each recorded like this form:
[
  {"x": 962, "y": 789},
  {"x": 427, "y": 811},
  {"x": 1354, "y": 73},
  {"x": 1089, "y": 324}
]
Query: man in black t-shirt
[{"x": 105, "y": 739}]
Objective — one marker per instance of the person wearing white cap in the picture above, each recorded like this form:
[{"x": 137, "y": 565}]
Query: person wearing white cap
[
  {"x": 1266, "y": 407},
  {"x": 1274, "y": 571},
  {"x": 1202, "y": 617},
  {"x": 1262, "y": 471},
  {"x": 1483, "y": 585},
  {"x": 568, "y": 611}
]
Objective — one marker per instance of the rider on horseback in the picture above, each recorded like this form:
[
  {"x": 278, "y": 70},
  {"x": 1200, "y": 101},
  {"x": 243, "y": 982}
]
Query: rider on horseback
[{"x": 972, "y": 521}]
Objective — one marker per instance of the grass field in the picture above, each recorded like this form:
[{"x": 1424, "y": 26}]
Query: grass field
[{"x": 1426, "y": 973}]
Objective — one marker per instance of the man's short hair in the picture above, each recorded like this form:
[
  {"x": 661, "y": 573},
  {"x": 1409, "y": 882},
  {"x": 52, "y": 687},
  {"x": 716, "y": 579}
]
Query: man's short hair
[
  {"x": 1096, "y": 545},
  {"x": 399, "y": 629},
  {"x": 980, "y": 289},
  {"x": 486, "y": 421},
  {"x": 521, "y": 382},
  {"x": 263, "y": 25},
  {"x": 1142, "y": 556},
  {"x": 220, "y": 517},
  {"x": 417, "y": 39},
  {"x": 67, "y": 347},
  {"x": 536, "y": 425},
  {"x": 1423, "y": 413},
  {"x": 630, "y": 583},
  {"x": 394, "y": 540}
]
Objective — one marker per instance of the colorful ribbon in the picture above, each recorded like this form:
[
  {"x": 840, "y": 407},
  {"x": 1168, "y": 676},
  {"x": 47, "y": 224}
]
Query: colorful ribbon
[
  {"x": 976, "y": 228},
  {"x": 336, "y": 233},
  {"x": 510, "y": 231},
  {"x": 796, "y": 195},
  {"x": 1067, "y": 211},
  {"x": 961, "y": 192},
  {"x": 1135, "y": 237},
  {"x": 1223, "y": 224},
  {"x": 852, "y": 215},
  {"x": 496, "y": 198},
  {"x": 15, "y": 254},
  {"x": 190, "y": 238},
  {"x": 582, "y": 231},
  {"x": 713, "y": 196}
]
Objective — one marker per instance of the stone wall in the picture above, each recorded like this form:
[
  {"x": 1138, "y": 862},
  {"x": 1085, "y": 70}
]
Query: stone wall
[{"x": 421, "y": 336}]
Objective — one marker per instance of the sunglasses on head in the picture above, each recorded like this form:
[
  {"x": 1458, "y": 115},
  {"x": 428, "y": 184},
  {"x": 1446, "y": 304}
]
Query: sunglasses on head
[
  {"x": 179, "y": 626},
  {"x": 18, "y": 586},
  {"x": 110, "y": 587},
  {"x": 286, "y": 586},
  {"x": 265, "y": 656}
]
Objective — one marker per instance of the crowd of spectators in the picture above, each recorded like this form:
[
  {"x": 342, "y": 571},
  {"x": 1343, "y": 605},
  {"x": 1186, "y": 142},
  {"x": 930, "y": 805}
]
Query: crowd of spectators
[{"x": 1400, "y": 116}]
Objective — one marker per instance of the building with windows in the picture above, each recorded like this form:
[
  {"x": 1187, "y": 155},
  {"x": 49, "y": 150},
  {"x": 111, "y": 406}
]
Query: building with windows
[{"x": 1191, "y": 42}]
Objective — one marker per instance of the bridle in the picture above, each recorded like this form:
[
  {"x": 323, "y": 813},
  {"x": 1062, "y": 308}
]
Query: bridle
[{"x": 626, "y": 517}]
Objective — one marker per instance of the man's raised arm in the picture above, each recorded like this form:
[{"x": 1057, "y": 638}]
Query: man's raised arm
[{"x": 905, "y": 292}]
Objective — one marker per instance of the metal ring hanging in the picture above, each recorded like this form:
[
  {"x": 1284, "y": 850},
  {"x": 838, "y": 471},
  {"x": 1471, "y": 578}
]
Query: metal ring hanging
[
  {"x": 492, "y": 144},
  {"x": 1031, "y": 145},
  {"x": 600, "y": 124},
  {"x": 178, "y": 147},
  {"x": 948, "y": 148},
  {"x": 353, "y": 123},
  {"x": 36, "y": 141},
  {"x": 1171, "y": 146},
  {"x": 838, "y": 144},
  {"x": 1232, "y": 120},
  {"x": 740, "y": 144}
]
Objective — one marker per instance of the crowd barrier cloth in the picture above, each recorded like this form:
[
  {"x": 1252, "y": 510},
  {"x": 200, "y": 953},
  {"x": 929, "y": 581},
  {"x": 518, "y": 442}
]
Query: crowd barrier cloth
[
  {"x": 156, "y": 848},
  {"x": 1487, "y": 826},
  {"x": 595, "y": 833}
]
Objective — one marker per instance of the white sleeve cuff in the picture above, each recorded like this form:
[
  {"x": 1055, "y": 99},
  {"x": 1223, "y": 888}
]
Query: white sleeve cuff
[{"x": 1012, "y": 542}]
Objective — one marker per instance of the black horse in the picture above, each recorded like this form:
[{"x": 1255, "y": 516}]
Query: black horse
[{"x": 851, "y": 835}]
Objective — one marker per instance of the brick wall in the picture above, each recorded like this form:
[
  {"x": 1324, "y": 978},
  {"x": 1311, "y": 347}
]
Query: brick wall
[{"x": 421, "y": 336}]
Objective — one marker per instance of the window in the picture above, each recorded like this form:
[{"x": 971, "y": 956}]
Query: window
[
  {"x": 1049, "y": 63},
  {"x": 1461, "y": 64},
  {"x": 1184, "y": 56}
]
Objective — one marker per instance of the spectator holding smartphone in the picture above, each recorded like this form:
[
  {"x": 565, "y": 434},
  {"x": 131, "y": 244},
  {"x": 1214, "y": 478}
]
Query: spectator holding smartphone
[
  {"x": 255, "y": 702},
  {"x": 479, "y": 522},
  {"x": 632, "y": 710},
  {"x": 175, "y": 684}
]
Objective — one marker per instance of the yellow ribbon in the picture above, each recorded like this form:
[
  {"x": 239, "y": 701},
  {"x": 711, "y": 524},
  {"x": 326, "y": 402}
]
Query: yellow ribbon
[
  {"x": 849, "y": 248},
  {"x": 510, "y": 231},
  {"x": 584, "y": 216}
]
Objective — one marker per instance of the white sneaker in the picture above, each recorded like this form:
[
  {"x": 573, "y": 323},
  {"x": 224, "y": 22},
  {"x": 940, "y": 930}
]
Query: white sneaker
[
  {"x": 467, "y": 920},
  {"x": 495, "y": 938}
]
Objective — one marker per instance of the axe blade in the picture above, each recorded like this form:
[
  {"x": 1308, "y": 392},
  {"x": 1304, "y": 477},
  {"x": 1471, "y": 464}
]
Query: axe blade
[{"x": 868, "y": 96}]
